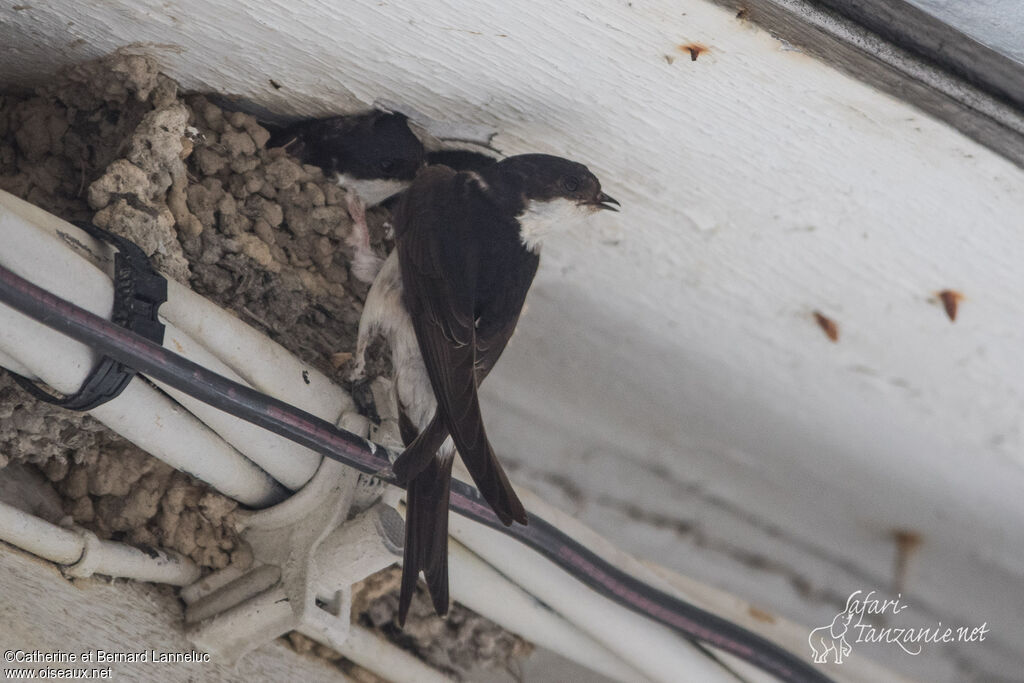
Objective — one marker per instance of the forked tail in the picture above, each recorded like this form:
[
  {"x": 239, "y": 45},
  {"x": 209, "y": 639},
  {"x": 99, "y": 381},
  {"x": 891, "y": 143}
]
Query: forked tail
[{"x": 426, "y": 535}]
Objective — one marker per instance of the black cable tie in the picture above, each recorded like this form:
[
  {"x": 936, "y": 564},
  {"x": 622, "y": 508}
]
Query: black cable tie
[{"x": 138, "y": 292}]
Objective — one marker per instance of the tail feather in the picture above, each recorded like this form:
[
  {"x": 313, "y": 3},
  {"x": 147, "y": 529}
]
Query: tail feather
[
  {"x": 419, "y": 450},
  {"x": 487, "y": 472},
  {"x": 426, "y": 535},
  {"x": 494, "y": 486}
]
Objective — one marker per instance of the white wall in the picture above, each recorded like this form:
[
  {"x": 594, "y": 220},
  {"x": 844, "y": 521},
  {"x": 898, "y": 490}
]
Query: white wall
[{"x": 669, "y": 363}]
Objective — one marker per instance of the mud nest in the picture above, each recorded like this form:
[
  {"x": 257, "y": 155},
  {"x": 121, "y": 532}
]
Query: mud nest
[{"x": 114, "y": 142}]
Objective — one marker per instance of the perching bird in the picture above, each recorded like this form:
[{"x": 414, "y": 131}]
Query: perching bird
[{"x": 448, "y": 299}]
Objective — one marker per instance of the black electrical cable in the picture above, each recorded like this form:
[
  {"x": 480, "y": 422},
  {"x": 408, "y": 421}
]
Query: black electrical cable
[{"x": 276, "y": 416}]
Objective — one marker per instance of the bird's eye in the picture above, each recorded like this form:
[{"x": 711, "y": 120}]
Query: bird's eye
[
  {"x": 388, "y": 165},
  {"x": 571, "y": 184}
]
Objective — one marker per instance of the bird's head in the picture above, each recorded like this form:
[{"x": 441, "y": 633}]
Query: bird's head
[
  {"x": 375, "y": 154},
  {"x": 380, "y": 145},
  {"x": 551, "y": 193}
]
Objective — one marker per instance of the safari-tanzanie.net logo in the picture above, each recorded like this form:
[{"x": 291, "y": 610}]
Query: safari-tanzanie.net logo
[{"x": 865, "y": 620}]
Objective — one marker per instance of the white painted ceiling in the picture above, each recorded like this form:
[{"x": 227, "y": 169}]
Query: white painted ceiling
[{"x": 669, "y": 383}]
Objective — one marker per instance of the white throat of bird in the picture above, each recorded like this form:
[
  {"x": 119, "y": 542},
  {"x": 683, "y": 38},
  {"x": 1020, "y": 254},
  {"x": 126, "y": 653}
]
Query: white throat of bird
[{"x": 541, "y": 218}]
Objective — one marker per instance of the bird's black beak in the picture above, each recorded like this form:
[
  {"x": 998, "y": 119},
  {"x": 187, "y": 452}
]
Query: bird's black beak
[{"x": 605, "y": 202}]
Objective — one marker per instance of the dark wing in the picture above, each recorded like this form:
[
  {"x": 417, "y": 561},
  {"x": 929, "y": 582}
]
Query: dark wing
[
  {"x": 439, "y": 243},
  {"x": 420, "y": 448},
  {"x": 498, "y": 321}
]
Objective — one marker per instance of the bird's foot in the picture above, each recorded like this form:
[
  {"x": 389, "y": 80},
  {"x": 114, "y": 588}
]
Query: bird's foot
[
  {"x": 359, "y": 238},
  {"x": 358, "y": 371},
  {"x": 365, "y": 263}
]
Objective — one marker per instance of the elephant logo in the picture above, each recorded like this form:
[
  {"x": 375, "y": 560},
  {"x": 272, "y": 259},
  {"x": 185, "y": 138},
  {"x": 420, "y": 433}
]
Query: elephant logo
[{"x": 832, "y": 638}]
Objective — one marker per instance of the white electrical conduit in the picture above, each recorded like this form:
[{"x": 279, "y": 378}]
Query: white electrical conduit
[
  {"x": 480, "y": 587},
  {"x": 262, "y": 363},
  {"x": 786, "y": 634},
  {"x": 286, "y": 461},
  {"x": 12, "y": 364},
  {"x": 659, "y": 653},
  {"x": 735, "y": 611},
  {"x": 141, "y": 414},
  {"x": 391, "y": 663},
  {"x": 656, "y": 651},
  {"x": 45, "y": 258},
  {"x": 83, "y": 554},
  {"x": 372, "y": 540}
]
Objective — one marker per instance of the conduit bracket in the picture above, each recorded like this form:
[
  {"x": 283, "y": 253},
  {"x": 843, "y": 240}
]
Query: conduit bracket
[
  {"x": 306, "y": 554},
  {"x": 84, "y": 566}
]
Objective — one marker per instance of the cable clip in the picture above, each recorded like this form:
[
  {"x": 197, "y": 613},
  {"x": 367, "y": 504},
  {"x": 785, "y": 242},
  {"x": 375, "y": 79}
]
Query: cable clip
[{"x": 138, "y": 292}]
